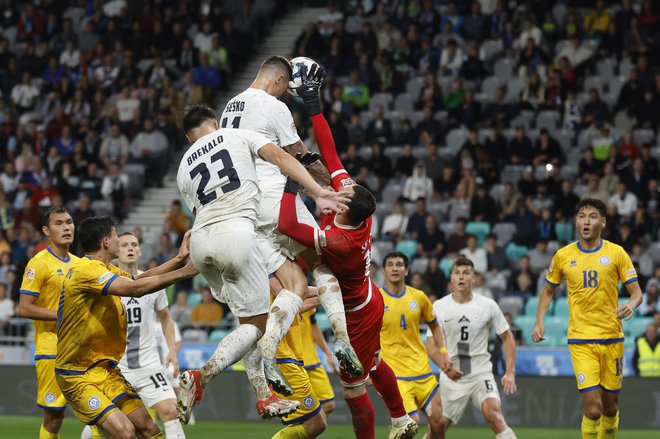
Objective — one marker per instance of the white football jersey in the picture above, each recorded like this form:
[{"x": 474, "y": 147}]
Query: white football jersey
[
  {"x": 466, "y": 327},
  {"x": 217, "y": 176},
  {"x": 141, "y": 347},
  {"x": 257, "y": 111},
  {"x": 161, "y": 343}
]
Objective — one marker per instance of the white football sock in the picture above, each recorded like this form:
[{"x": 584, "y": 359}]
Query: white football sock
[
  {"x": 331, "y": 300},
  {"x": 254, "y": 368},
  {"x": 86, "y": 433},
  {"x": 398, "y": 422},
  {"x": 174, "y": 429},
  {"x": 230, "y": 349},
  {"x": 284, "y": 309},
  {"x": 506, "y": 434}
]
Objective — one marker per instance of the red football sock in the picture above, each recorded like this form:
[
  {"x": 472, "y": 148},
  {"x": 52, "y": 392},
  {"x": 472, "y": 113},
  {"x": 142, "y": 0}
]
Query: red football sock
[
  {"x": 363, "y": 415},
  {"x": 385, "y": 383}
]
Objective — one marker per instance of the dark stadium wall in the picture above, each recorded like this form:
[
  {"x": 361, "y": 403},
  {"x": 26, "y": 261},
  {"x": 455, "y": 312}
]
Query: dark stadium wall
[{"x": 540, "y": 402}]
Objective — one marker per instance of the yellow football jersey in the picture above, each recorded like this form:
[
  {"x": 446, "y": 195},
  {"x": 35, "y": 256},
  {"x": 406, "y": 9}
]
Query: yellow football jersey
[
  {"x": 290, "y": 348},
  {"x": 91, "y": 325},
  {"x": 43, "y": 279},
  {"x": 310, "y": 356},
  {"x": 592, "y": 278},
  {"x": 402, "y": 347}
]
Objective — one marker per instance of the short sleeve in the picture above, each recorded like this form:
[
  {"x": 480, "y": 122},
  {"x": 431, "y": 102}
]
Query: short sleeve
[
  {"x": 497, "y": 319},
  {"x": 161, "y": 301},
  {"x": 283, "y": 124},
  {"x": 627, "y": 272},
  {"x": 428, "y": 313},
  {"x": 554, "y": 275},
  {"x": 97, "y": 279},
  {"x": 256, "y": 141},
  {"x": 330, "y": 242},
  {"x": 34, "y": 278}
]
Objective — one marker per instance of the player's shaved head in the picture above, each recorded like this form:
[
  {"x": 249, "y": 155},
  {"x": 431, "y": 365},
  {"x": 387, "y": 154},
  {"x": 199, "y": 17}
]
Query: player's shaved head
[
  {"x": 276, "y": 65},
  {"x": 91, "y": 232},
  {"x": 196, "y": 115},
  {"x": 361, "y": 205},
  {"x": 593, "y": 203}
]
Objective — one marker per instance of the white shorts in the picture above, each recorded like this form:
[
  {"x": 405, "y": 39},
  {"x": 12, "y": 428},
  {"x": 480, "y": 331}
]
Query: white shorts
[
  {"x": 455, "y": 395},
  {"x": 227, "y": 255},
  {"x": 151, "y": 384},
  {"x": 274, "y": 246}
]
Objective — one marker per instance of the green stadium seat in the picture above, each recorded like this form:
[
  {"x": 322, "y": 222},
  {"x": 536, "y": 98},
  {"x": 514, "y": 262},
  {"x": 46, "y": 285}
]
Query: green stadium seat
[
  {"x": 561, "y": 307},
  {"x": 515, "y": 252},
  {"x": 549, "y": 342},
  {"x": 564, "y": 232},
  {"x": 445, "y": 266},
  {"x": 194, "y": 299},
  {"x": 525, "y": 323},
  {"x": 408, "y": 247},
  {"x": 636, "y": 326},
  {"x": 218, "y": 335},
  {"x": 530, "y": 306},
  {"x": 480, "y": 229},
  {"x": 555, "y": 324}
]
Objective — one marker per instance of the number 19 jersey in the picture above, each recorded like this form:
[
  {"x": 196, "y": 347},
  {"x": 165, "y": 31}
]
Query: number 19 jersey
[
  {"x": 467, "y": 327},
  {"x": 217, "y": 176}
]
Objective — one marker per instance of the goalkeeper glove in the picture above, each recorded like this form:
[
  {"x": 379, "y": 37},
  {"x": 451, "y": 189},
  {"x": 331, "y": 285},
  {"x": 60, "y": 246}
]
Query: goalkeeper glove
[{"x": 312, "y": 81}]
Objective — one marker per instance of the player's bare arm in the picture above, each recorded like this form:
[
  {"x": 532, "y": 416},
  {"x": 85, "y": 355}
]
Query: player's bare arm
[
  {"x": 167, "y": 324},
  {"x": 439, "y": 339},
  {"x": 123, "y": 286},
  {"x": 28, "y": 308},
  {"x": 310, "y": 161},
  {"x": 310, "y": 303},
  {"x": 545, "y": 299},
  {"x": 625, "y": 311},
  {"x": 509, "y": 378},
  {"x": 434, "y": 354},
  {"x": 176, "y": 262}
]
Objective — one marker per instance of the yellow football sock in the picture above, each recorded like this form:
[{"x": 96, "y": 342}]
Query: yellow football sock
[
  {"x": 152, "y": 413},
  {"x": 160, "y": 435},
  {"x": 292, "y": 432},
  {"x": 609, "y": 426},
  {"x": 45, "y": 434},
  {"x": 590, "y": 428},
  {"x": 97, "y": 432}
]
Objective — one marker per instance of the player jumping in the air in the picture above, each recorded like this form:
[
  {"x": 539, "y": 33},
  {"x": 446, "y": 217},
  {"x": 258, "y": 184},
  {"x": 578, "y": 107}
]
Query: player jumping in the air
[
  {"x": 593, "y": 268},
  {"x": 405, "y": 308},
  {"x": 466, "y": 319},
  {"x": 344, "y": 242}
]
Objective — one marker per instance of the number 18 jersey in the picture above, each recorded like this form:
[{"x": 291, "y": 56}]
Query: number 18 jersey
[
  {"x": 217, "y": 176},
  {"x": 467, "y": 327}
]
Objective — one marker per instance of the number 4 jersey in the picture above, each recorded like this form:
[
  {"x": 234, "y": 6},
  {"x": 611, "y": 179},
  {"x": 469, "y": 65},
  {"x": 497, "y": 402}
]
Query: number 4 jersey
[
  {"x": 217, "y": 176},
  {"x": 467, "y": 327}
]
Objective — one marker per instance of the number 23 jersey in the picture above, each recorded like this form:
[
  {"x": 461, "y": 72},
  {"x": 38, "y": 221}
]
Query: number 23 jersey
[
  {"x": 467, "y": 327},
  {"x": 217, "y": 176}
]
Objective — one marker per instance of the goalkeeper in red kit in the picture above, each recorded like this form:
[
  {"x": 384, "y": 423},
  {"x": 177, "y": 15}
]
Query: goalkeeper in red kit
[{"x": 344, "y": 243}]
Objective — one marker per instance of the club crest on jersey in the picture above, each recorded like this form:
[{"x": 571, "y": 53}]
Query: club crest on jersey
[
  {"x": 308, "y": 402},
  {"x": 604, "y": 260},
  {"x": 104, "y": 277},
  {"x": 413, "y": 305},
  {"x": 94, "y": 403},
  {"x": 464, "y": 320},
  {"x": 581, "y": 378},
  {"x": 133, "y": 301},
  {"x": 29, "y": 273},
  {"x": 49, "y": 398},
  {"x": 347, "y": 182},
  {"x": 59, "y": 272}
]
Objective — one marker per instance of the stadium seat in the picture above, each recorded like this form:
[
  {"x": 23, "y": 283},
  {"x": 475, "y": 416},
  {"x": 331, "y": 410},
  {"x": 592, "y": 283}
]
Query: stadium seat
[
  {"x": 605, "y": 69},
  {"x": 654, "y": 252},
  {"x": 455, "y": 140},
  {"x": 594, "y": 82},
  {"x": 408, "y": 247},
  {"x": 637, "y": 325},
  {"x": 136, "y": 179},
  {"x": 380, "y": 100},
  {"x": 515, "y": 252},
  {"x": 448, "y": 228},
  {"x": 521, "y": 120},
  {"x": 404, "y": 103},
  {"x": 553, "y": 323},
  {"x": 194, "y": 336},
  {"x": 218, "y": 335},
  {"x": 564, "y": 231},
  {"x": 530, "y": 306},
  {"x": 102, "y": 207},
  {"x": 548, "y": 119},
  {"x": 511, "y": 304},
  {"x": 503, "y": 69},
  {"x": 414, "y": 86},
  {"x": 514, "y": 86},
  {"x": 489, "y": 86},
  {"x": 504, "y": 232},
  {"x": 625, "y": 67},
  {"x": 642, "y": 136},
  {"x": 419, "y": 265},
  {"x": 565, "y": 139},
  {"x": 459, "y": 209},
  {"x": 445, "y": 265},
  {"x": 525, "y": 323},
  {"x": 561, "y": 307},
  {"x": 391, "y": 193},
  {"x": 490, "y": 48},
  {"x": 479, "y": 229},
  {"x": 194, "y": 299},
  {"x": 439, "y": 209}
]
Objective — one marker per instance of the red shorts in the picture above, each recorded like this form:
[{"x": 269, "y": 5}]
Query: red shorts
[{"x": 364, "y": 332}]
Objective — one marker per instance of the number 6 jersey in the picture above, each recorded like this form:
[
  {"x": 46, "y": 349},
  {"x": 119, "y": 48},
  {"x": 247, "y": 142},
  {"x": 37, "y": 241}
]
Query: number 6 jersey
[
  {"x": 217, "y": 176},
  {"x": 467, "y": 327}
]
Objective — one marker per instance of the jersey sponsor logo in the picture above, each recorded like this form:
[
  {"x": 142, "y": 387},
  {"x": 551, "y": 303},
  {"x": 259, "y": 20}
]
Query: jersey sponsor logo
[
  {"x": 581, "y": 378},
  {"x": 308, "y": 402},
  {"x": 413, "y": 305},
  {"x": 604, "y": 260},
  {"x": 49, "y": 398},
  {"x": 59, "y": 272},
  {"x": 464, "y": 320},
  {"x": 573, "y": 263},
  {"x": 104, "y": 277},
  {"x": 94, "y": 403},
  {"x": 328, "y": 227},
  {"x": 29, "y": 273}
]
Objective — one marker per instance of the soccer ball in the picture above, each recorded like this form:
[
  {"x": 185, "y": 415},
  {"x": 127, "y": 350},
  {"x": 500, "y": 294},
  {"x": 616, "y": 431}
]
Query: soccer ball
[{"x": 296, "y": 64}]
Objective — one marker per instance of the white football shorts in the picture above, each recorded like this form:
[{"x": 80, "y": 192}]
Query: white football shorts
[
  {"x": 455, "y": 395},
  {"x": 151, "y": 384}
]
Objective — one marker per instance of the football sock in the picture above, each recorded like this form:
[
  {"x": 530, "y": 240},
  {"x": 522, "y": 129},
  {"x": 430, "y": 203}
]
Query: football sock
[
  {"x": 86, "y": 433},
  {"x": 590, "y": 428},
  {"x": 506, "y": 434},
  {"x": 385, "y": 383},
  {"x": 230, "y": 349},
  {"x": 284, "y": 309},
  {"x": 45, "y": 434},
  {"x": 97, "y": 432},
  {"x": 174, "y": 429},
  {"x": 363, "y": 416},
  {"x": 331, "y": 300},
  {"x": 158, "y": 435},
  {"x": 254, "y": 368},
  {"x": 609, "y": 425},
  {"x": 292, "y": 432}
]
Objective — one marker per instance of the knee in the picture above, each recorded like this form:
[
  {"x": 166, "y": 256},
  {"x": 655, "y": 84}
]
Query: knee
[
  {"x": 148, "y": 430},
  {"x": 328, "y": 407},
  {"x": 316, "y": 426},
  {"x": 126, "y": 431},
  {"x": 593, "y": 410},
  {"x": 53, "y": 419},
  {"x": 610, "y": 409},
  {"x": 495, "y": 420},
  {"x": 169, "y": 412},
  {"x": 437, "y": 424}
]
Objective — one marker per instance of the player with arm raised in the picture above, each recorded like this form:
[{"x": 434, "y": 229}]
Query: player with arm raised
[
  {"x": 39, "y": 296},
  {"x": 593, "y": 268},
  {"x": 466, "y": 320},
  {"x": 344, "y": 243},
  {"x": 405, "y": 308},
  {"x": 218, "y": 182},
  {"x": 259, "y": 109},
  {"x": 91, "y": 331}
]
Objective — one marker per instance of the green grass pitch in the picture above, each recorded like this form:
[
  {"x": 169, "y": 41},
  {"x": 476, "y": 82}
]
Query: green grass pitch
[{"x": 27, "y": 427}]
